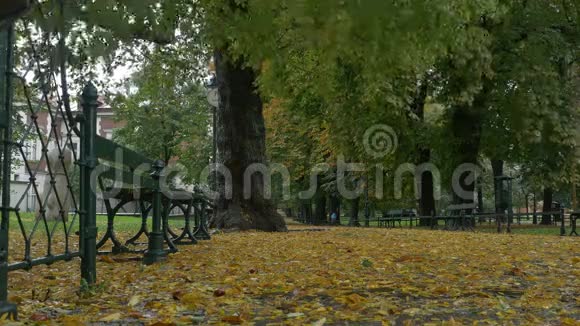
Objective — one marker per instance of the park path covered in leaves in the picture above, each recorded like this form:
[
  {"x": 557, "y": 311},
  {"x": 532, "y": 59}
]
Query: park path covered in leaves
[{"x": 333, "y": 276}]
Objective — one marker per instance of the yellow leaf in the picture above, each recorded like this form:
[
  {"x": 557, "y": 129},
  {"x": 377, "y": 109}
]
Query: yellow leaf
[
  {"x": 73, "y": 320},
  {"x": 192, "y": 299},
  {"x": 134, "y": 301},
  {"x": 412, "y": 311},
  {"x": 569, "y": 322},
  {"x": 112, "y": 317}
]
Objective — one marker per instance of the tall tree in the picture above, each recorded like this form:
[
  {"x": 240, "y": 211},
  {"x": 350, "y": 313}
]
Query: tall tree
[
  {"x": 241, "y": 143},
  {"x": 166, "y": 116}
]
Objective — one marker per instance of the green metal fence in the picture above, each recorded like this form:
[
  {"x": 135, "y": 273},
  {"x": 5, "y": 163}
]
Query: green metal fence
[
  {"x": 39, "y": 136},
  {"x": 43, "y": 147},
  {"x": 6, "y": 59}
]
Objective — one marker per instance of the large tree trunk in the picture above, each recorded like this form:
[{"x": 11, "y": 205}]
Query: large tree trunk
[
  {"x": 466, "y": 126},
  {"x": 547, "y": 207},
  {"x": 241, "y": 142}
]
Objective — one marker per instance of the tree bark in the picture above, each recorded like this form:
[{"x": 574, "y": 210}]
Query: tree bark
[
  {"x": 480, "y": 208},
  {"x": 426, "y": 199},
  {"x": 547, "y": 207},
  {"x": 241, "y": 142},
  {"x": 354, "y": 210},
  {"x": 335, "y": 207},
  {"x": 306, "y": 211},
  {"x": 480, "y": 197},
  {"x": 497, "y": 167},
  {"x": 12, "y": 9},
  {"x": 466, "y": 126},
  {"x": 320, "y": 212},
  {"x": 535, "y": 203}
]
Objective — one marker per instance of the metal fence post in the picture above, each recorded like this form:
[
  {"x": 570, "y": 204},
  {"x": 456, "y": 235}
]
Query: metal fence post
[
  {"x": 155, "y": 252},
  {"x": 510, "y": 205},
  {"x": 432, "y": 220},
  {"x": 88, "y": 197},
  {"x": 7, "y": 310},
  {"x": 562, "y": 224},
  {"x": 201, "y": 232}
]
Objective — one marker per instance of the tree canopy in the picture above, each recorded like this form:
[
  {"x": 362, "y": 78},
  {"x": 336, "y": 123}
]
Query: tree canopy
[{"x": 461, "y": 81}]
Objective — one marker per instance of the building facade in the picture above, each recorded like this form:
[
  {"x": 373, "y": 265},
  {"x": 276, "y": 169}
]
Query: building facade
[{"x": 23, "y": 194}]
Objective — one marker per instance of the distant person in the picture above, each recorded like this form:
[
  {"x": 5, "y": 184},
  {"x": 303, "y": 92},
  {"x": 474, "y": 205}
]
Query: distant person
[{"x": 333, "y": 217}]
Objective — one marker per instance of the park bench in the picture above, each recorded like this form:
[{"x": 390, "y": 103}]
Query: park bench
[
  {"x": 392, "y": 217},
  {"x": 127, "y": 176}
]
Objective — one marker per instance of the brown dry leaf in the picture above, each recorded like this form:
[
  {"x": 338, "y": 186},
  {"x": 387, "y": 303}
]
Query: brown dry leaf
[
  {"x": 15, "y": 299},
  {"x": 233, "y": 320},
  {"x": 177, "y": 295},
  {"x": 39, "y": 317},
  {"x": 409, "y": 258},
  {"x": 106, "y": 259},
  {"x": 355, "y": 298},
  {"x": 517, "y": 272}
]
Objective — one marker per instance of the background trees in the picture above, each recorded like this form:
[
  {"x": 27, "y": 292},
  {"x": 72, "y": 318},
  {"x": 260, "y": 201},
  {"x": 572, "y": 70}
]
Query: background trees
[
  {"x": 461, "y": 82},
  {"x": 167, "y": 115},
  {"x": 489, "y": 93}
]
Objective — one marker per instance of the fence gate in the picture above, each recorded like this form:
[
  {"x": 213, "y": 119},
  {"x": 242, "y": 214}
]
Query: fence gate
[{"x": 44, "y": 156}]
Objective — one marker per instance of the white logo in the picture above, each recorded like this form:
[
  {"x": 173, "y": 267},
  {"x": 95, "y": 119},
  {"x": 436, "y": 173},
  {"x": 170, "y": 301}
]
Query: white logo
[{"x": 380, "y": 141}]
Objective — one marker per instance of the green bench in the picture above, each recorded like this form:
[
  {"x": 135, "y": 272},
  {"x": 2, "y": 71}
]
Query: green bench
[{"x": 129, "y": 177}]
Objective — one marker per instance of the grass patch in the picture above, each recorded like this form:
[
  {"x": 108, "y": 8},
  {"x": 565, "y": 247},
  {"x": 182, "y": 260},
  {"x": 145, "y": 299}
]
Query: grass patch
[{"x": 122, "y": 223}]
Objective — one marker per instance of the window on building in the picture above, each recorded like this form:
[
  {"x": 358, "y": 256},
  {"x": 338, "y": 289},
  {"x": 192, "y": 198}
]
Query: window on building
[
  {"x": 31, "y": 200},
  {"x": 34, "y": 150},
  {"x": 30, "y": 149},
  {"x": 27, "y": 150}
]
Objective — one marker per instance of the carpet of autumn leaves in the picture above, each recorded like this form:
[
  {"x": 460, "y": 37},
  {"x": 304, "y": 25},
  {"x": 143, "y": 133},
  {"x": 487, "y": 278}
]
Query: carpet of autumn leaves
[{"x": 332, "y": 276}]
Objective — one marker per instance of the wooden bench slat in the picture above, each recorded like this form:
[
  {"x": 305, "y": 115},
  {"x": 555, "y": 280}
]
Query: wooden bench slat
[
  {"x": 106, "y": 150},
  {"x": 127, "y": 177}
]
